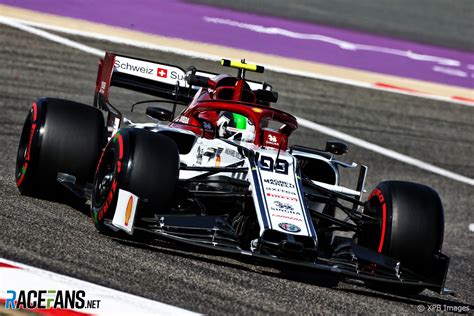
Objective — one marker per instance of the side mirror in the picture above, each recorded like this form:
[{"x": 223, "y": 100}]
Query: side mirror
[
  {"x": 199, "y": 81},
  {"x": 158, "y": 113},
  {"x": 266, "y": 95},
  {"x": 336, "y": 148}
]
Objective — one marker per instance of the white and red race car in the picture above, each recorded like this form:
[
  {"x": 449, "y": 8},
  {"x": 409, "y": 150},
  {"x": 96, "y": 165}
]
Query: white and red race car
[{"x": 220, "y": 174}]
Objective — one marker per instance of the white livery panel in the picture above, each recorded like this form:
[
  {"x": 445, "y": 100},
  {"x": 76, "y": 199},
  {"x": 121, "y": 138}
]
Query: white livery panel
[
  {"x": 277, "y": 193},
  {"x": 150, "y": 70},
  {"x": 124, "y": 215}
]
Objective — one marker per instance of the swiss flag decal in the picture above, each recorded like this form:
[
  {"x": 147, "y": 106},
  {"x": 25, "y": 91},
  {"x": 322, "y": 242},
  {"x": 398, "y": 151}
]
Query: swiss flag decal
[{"x": 161, "y": 72}]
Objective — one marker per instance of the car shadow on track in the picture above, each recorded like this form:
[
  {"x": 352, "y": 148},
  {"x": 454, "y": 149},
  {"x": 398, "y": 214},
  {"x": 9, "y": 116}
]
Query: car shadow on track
[
  {"x": 307, "y": 276},
  {"x": 277, "y": 270},
  {"x": 79, "y": 205},
  {"x": 239, "y": 262}
]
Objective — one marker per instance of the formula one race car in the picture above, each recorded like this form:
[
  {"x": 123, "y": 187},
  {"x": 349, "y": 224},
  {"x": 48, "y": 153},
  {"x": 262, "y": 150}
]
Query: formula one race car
[{"x": 221, "y": 174}]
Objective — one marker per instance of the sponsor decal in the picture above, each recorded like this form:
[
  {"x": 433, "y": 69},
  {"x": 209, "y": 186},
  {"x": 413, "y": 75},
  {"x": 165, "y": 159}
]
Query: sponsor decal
[
  {"x": 162, "y": 72},
  {"x": 287, "y": 217},
  {"x": 283, "y": 205},
  {"x": 103, "y": 85},
  {"x": 46, "y": 299},
  {"x": 272, "y": 139},
  {"x": 284, "y": 208},
  {"x": 153, "y": 71},
  {"x": 128, "y": 211},
  {"x": 200, "y": 152},
  {"x": 207, "y": 126},
  {"x": 212, "y": 153},
  {"x": 218, "y": 160},
  {"x": 133, "y": 67},
  {"x": 125, "y": 210},
  {"x": 281, "y": 196},
  {"x": 184, "y": 119},
  {"x": 177, "y": 76},
  {"x": 279, "y": 183},
  {"x": 283, "y": 191},
  {"x": 289, "y": 227},
  {"x": 232, "y": 153}
]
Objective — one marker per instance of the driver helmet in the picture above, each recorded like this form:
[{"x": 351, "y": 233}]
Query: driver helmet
[{"x": 235, "y": 126}]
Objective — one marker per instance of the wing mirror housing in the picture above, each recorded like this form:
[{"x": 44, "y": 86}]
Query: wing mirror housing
[
  {"x": 199, "y": 81},
  {"x": 336, "y": 148},
  {"x": 159, "y": 114},
  {"x": 266, "y": 95}
]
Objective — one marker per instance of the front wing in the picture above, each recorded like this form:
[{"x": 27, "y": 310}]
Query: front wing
[{"x": 349, "y": 260}]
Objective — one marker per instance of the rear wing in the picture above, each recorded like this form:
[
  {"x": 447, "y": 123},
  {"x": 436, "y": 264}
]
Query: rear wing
[{"x": 149, "y": 77}]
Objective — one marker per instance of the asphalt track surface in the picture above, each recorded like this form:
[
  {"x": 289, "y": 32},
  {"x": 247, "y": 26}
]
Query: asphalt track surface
[
  {"x": 439, "y": 22},
  {"x": 63, "y": 239}
]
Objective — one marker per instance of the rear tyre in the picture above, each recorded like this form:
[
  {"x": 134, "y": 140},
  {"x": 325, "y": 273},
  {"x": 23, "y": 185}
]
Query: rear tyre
[
  {"x": 411, "y": 228},
  {"x": 141, "y": 162},
  {"x": 58, "y": 136}
]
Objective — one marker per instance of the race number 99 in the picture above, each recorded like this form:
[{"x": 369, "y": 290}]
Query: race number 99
[{"x": 267, "y": 163}]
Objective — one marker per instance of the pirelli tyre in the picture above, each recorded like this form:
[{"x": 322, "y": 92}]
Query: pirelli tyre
[
  {"x": 410, "y": 228},
  {"x": 138, "y": 161},
  {"x": 58, "y": 136}
]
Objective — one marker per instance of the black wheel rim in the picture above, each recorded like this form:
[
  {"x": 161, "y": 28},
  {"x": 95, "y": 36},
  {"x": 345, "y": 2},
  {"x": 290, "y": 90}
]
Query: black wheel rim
[{"x": 104, "y": 178}]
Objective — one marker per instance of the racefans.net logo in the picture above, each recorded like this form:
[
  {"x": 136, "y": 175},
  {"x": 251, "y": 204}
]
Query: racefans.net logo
[{"x": 46, "y": 299}]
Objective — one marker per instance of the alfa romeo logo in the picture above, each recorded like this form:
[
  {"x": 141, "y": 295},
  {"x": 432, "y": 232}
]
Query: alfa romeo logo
[{"x": 289, "y": 227}]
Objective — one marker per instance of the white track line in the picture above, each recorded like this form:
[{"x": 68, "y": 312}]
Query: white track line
[
  {"x": 384, "y": 151},
  {"x": 305, "y": 123},
  {"x": 201, "y": 55},
  {"x": 52, "y": 37}
]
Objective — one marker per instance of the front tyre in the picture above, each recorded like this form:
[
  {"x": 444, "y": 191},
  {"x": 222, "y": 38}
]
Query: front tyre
[
  {"x": 410, "y": 228},
  {"x": 141, "y": 162}
]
